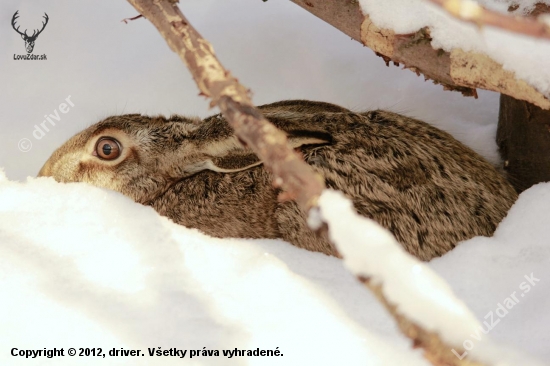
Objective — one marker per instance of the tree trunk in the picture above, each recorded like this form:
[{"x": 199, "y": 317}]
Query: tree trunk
[{"x": 523, "y": 138}]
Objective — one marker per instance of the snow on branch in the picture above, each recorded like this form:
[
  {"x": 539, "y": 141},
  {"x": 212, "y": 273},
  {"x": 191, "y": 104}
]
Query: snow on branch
[
  {"x": 471, "y": 11},
  {"x": 405, "y": 36},
  {"x": 396, "y": 286},
  {"x": 290, "y": 172},
  {"x": 422, "y": 303}
]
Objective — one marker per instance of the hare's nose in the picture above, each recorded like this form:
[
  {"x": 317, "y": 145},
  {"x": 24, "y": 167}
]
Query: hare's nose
[{"x": 44, "y": 171}]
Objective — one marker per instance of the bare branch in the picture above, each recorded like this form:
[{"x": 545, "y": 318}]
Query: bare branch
[
  {"x": 290, "y": 172},
  {"x": 435, "y": 350}
]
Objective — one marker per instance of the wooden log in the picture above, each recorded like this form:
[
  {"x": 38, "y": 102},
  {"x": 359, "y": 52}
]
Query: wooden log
[
  {"x": 458, "y": 70},
  {"x": 344, "y": 15},
  {"x": 523, "y": 138}
]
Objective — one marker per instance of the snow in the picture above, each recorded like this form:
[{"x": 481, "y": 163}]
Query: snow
[
  {"x": 499, "y": 264},
  {"x": 84, "y": 267},
  {"x": 525, "y": 56},
  {"x": 370, "y": 251}
]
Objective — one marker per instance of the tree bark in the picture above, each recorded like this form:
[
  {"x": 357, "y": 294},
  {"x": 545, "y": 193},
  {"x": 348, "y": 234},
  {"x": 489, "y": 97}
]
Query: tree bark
[
  {"x": 523, "y": 138},
  {"x": 435, "y": 350},
  {"x": 456, "y": 70},
  {"x": 344, "y": 15}
]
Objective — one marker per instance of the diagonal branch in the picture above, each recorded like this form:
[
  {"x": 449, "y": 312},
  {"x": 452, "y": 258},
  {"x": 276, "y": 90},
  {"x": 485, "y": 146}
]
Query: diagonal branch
[
  {"x": 290, "y": 172},
  {"x": 435, "y": 350}
]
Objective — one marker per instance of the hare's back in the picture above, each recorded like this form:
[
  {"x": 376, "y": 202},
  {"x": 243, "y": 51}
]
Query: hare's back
[{"x": 419, "y": 182}]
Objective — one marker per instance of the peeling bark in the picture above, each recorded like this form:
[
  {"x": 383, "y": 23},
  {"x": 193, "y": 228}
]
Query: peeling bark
[
  {"x": 414, "y": 51},
  {"x": 480, "y": 71}
]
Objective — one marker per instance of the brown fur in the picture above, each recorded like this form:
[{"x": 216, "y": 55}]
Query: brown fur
[{"x": 428, "y": 189}]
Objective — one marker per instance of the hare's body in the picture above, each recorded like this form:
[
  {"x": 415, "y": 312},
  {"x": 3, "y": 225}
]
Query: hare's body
[{"x": 428, "y": 189}]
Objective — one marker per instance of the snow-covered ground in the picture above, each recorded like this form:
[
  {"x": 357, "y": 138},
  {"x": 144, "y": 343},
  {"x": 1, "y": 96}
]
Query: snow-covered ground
[
  {"x": 85, "y": 268},
  {"x": 82, "y": 267}
]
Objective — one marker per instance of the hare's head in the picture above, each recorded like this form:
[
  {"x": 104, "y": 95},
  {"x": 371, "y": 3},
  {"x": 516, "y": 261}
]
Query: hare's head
[
  {"x": 131, "y": 154},
  {"x": 141, "y": 156}
]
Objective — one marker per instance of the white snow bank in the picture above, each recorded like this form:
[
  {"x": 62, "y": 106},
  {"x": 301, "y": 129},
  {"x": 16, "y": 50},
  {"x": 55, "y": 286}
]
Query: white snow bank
[
  {"x": 420, "y": 294},
  {"x": 84, "y": 267},
  {"x": 371, "y": 251},
  {"x": 525, "y": 56},
  {"x": 489, "y": 272}
]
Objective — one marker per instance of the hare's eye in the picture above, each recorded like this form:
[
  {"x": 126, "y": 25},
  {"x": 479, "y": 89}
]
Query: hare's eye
[{"x": 107, "y": 148}]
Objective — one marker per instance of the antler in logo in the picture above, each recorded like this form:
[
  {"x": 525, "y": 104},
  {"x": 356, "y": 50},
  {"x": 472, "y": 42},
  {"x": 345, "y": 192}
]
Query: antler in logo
[{"x": 29, "y": 40}]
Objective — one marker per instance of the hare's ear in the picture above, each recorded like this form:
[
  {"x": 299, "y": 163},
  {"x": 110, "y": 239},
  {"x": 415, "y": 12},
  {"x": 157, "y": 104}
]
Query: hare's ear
[
  {"x": 298, "y": 138},
  {"x": 230, "y": 156}
]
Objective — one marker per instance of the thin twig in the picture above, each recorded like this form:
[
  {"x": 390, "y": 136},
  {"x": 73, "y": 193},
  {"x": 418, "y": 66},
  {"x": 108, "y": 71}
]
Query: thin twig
[
  {"x": 290, "y": 172},
  {"x": 471, "y": 11},
  {"x": 126, "y": 20}
]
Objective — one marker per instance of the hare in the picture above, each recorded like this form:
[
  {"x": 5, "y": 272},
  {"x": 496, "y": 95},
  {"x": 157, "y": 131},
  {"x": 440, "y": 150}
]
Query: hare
[{"x": 420, "y": 183}]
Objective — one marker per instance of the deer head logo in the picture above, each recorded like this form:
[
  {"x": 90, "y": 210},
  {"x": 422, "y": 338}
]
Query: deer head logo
[{"x": 29, "y": 40}]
